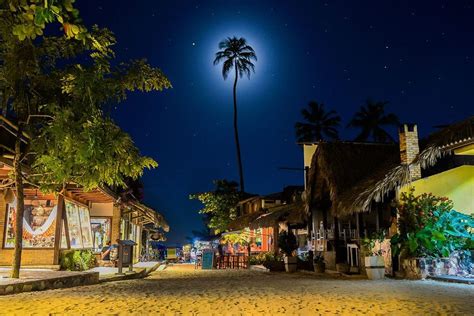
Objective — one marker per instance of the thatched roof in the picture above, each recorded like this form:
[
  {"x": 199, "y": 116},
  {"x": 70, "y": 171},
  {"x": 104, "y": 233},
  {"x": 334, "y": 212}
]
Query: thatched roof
[
  {"x": 452, "y": 136},
  {"x": 244, "y": 221},
  {"x": 293, "y": 213},
  {"x": 345, "y": 169},
  {"x": 434, "y": 147}
]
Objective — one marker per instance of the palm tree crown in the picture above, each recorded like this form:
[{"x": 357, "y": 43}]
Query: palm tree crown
[
  {"x": 319, "y": 124},
  {"x": 371, "y": 119},
  {"x": 236, "y": 53}
]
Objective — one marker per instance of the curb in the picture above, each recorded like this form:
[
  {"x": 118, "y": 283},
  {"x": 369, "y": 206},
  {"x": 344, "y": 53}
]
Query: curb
[
  {"x": 137, "y": 275},
  {"x": 80, "y": 279}
]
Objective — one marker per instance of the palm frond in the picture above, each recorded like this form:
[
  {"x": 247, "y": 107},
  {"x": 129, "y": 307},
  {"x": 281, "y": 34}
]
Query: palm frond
[{"x": 235, "y": 52}]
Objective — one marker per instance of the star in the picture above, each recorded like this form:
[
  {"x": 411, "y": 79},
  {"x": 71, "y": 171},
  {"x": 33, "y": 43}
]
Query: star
[{"x": 194, "y": 44}]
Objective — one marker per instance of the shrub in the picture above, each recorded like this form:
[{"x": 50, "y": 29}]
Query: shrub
[
  {"x": 77, "y": 260},
  {"x": 287, "y": 243},
  {"x": 429, "y": 227},
  {"x": 369, "y": 244},
  {"x": 264, "y": 257}
]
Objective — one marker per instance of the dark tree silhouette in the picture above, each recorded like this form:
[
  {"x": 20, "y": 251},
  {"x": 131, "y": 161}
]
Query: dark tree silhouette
[
  {"x": 318, "y": 125},
  {"x": 371, "y": 120},
  {"x": 236, "y": 56}
]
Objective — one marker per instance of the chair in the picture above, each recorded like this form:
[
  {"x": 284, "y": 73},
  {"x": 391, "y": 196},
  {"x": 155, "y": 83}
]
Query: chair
[{"x": 198, "y": 261}]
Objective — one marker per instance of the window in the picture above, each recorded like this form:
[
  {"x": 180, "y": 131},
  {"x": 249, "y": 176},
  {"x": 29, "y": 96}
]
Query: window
[
  {"x": 101, "y": 233},
  {"x": 79, "y": 226}
]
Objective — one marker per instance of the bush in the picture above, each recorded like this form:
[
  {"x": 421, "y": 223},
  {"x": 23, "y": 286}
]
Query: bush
[
  {"x": 264, "y": 257},
  {"x": 287, "y": 243},
  {"x": 429, "y": 227},
  {"x": 77, "y": 260}
]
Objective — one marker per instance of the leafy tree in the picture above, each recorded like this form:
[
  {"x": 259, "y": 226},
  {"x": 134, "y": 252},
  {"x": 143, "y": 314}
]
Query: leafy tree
[
  {"x": 55, "y": 89},
  {"x": 220, "y": 205},
  {"x": 236, "y": 56},
  {"x": 371, "y": 120},
  {"x": 29, "y": 18},
  {"x": 318, "y": 124}
]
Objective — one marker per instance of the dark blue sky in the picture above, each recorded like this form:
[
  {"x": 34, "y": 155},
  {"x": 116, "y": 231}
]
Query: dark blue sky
[{"x": 419, "y": 55}]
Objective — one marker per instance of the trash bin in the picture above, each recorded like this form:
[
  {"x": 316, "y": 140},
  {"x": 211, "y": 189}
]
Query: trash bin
[{"x": 125, "y": 255}]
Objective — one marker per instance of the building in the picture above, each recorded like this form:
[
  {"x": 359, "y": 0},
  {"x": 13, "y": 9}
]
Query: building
[
  {"x": 441, "y": 164},
  {"x": 336, "y": 173},
  {"x": 65, "y": 220},
  {"x": 263, "y": 217},
  {"x": 352, "y": 188}
]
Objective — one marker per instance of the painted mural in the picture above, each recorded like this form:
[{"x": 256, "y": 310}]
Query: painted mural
[{"x": 39, "y": 224}]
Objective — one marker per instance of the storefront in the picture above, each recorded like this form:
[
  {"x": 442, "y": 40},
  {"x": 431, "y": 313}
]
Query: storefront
[
  {"x": 73, "y": 219},
  {"x": 50, "y": 223}
]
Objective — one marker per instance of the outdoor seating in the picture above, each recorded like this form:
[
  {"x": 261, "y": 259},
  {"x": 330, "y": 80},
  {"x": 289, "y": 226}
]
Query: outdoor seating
[{"x": 237, "y": 261}]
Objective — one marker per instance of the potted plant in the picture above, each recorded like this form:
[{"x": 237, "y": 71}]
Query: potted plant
[
  {"x": 273, "y": 262},
  {"x": 287, "y": 243},
  {"x": 374, "y": 262},
  {"x": 318, "y": 262}
]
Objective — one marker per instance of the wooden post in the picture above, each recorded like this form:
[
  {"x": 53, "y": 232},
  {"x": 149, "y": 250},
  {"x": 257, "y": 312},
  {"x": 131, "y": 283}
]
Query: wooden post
[
  {"x": 275, "y": 238},
  {"x": 377, "y": 219},
  {"x": 66, "y": 226},
  {"x": 59, "y": 229},
  {"x": 358, "y": 226}
]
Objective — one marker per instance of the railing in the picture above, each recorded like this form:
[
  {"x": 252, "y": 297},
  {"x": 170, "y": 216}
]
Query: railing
[{"x": 329, "y": 234}]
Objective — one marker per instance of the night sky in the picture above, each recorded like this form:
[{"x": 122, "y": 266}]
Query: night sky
[{"x": 418, "y": 56}]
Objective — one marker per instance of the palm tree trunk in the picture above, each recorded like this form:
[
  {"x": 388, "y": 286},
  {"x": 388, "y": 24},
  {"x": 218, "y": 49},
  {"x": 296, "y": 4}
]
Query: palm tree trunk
[
  {"x": 236, "y": 134},
  {"x": 20, "y": 205}
]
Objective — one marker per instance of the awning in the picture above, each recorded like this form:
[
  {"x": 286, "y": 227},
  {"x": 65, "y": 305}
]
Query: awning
[
  {"x": 244, "y": 221},
  {"x": 147, "y": 215}
]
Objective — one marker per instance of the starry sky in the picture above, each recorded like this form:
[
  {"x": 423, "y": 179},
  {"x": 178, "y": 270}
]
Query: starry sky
[{"x": 418, "y": 55}]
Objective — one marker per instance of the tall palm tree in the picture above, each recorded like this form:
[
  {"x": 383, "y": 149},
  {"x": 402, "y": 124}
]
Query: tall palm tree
[
  {"x": 371, "y": 119},
  {"x": 236, "y": 56},
  {"x": 319, "y": 124}
]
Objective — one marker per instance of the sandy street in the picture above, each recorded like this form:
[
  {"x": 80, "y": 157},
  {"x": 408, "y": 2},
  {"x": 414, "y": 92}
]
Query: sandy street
[{"x": 182, "y": 290}]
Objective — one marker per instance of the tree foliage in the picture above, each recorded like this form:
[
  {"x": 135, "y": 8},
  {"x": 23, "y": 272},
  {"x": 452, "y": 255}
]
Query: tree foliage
[
  {"x": 57, "y": 90},
  {"x": 319, "y": 124},
  {"x": 63, "y": 107},
  {"x": 236, "y": 54},
  {"x": 30, "y": 17},
  {"x": 220, "y": 205},
  {"x": 371, "y": 119},
  {"x": 429, "y": 227}
]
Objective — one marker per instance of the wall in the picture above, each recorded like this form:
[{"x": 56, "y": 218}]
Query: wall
[
  {"x": 102, "y": 209},
  {"x": 116, "y": 223},
  {"x": 308, "y": 152},
  {"x": 32, "y": 257},
  {"x": 456, "y": 184}
]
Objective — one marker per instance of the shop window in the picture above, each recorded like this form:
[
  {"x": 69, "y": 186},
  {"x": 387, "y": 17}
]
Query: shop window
[
  {"x": 79, "y": 226},
  {"x": 39, "y": 224},
  {"x": 101, "y": 233}
]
